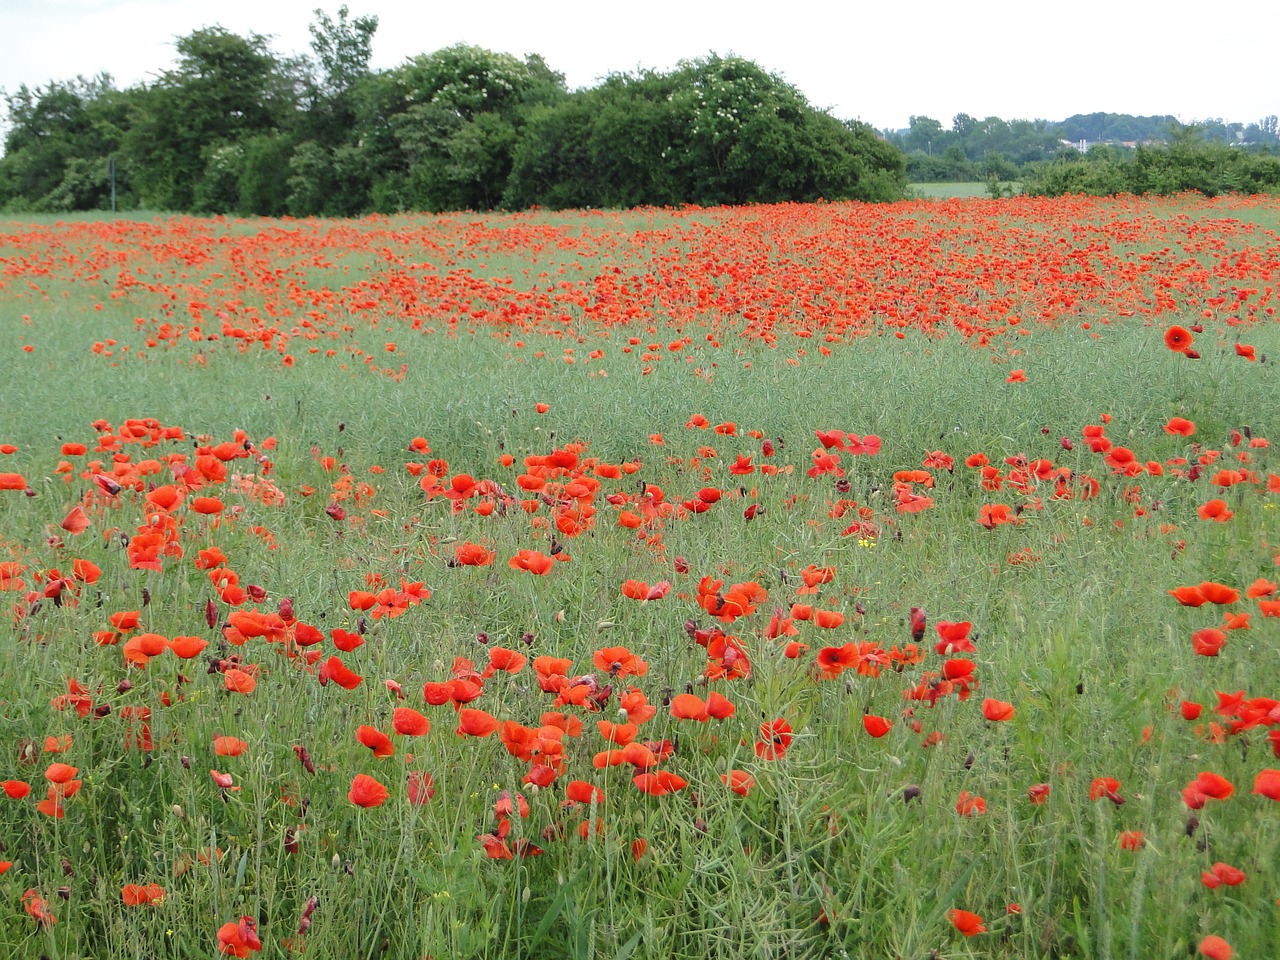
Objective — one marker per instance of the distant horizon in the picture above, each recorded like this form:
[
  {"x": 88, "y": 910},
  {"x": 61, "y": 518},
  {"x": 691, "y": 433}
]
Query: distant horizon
[{"x": 944, "y": 62}]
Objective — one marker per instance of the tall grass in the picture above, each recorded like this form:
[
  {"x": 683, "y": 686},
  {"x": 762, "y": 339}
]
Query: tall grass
[{"x": 847, "y": 845}]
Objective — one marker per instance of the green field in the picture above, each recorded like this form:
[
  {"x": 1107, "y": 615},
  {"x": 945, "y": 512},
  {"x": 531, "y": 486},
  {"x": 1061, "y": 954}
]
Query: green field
[
  {"x": 908, "y": 486},
  {"x": 952, "y": 190}
]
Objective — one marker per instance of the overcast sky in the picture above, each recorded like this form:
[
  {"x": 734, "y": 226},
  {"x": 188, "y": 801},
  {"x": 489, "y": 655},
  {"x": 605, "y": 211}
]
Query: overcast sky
[{"x": 879, "y": 62}]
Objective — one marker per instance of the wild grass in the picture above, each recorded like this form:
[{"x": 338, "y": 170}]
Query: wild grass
[{"x": 846, "y": 846}]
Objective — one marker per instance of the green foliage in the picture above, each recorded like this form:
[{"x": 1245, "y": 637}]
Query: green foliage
[
  {"x": 1121, "y": 127},
  {"x": 1188, "y": 162},
  {"x": 459, "y": 123},
  {"x": 343, "y": 49},
  {"x": 60, "y": 140},
  {"x": 715, "y": 130},
  {"x": 185, "y": 128},
  {"x": 1019, "y": 141}
]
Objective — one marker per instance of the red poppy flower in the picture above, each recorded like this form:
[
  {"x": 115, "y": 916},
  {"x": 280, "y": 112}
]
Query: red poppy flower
[
  {"x": 138, "y": 895},
  {"x": 335, "y": 670},
  {"x": 1132, "y": 840},
  {"x": 475, "y": 723},
  {"x": 1107, "y": 787},
  {"x": 1218, "y": 593},
  {"x": 409, "y": 722},
  {"x": 739, "y": 781},
  {"x": 970, "y": 924},
  {"x": 239, "y": 939},
  {"x": 876, "y": 726},
  {"x": 579, "y": 791},
  {"x": 1222, "y": 874},
  {"x": 472, "y": 555},
  {"x": 775, "y": 740},
  {"x": 1267, "y": 784},
  {"x": 375, "y": 740},
  {"x": 531, "y": 561},
  {"x": 659, "y": 783},
  {"x": 239, "y": 681},
  {"x": 37, "y": 907},
  {"x": 997, "y": 710},
  {"x": 367, "y": 792},
  {"x": 1178, "y": 339},
  {"x": 1215, "y": 509},
  {"x": 619, "y": 662},
  {"x": 1215, "y": 948},
  {"x": 229, "y": 746}
]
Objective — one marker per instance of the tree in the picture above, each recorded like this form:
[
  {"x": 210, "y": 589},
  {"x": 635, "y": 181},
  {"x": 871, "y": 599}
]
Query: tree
[
  {"x": 343, "y": 48},
  {"x": 927, "y": 136},
  {"x": 61, "y": 138},
  {"x": 715, "y": 130},
  {"x": 224, "y": 89},
  {"x": 460, "y": 116}
]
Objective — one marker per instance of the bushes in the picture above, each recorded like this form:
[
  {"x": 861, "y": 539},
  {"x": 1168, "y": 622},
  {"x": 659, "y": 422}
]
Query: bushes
[{"x": 1185, "y": 164}]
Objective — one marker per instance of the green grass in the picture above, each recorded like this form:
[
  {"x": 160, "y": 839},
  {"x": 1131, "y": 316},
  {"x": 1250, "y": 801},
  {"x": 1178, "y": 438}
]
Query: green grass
[
  {"x": 952, "y": 190},
  {"x": 823, "y": 857}
]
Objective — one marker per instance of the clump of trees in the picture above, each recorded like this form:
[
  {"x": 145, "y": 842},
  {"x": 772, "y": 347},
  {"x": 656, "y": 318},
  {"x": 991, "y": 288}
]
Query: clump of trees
[{"x": 232, "y": 127}]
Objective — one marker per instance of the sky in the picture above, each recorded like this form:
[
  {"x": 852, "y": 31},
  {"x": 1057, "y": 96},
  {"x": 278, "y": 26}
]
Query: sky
[{"x": 877, "y": 62}]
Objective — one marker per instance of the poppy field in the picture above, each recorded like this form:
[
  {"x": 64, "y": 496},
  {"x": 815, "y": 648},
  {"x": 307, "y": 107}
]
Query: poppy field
[{"x": 789, "y": 581}]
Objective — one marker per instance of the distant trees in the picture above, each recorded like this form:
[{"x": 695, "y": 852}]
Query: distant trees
[
  {"x": 973, "y": 149},
  {"x": 1187, "y": 162},
  {"x": 1125, "y": 153},
  {"x": 234, "y": 128}
]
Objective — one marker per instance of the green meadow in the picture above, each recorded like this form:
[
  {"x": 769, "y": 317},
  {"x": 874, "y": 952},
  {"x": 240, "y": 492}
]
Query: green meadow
[{"x": 957, "y": 681}]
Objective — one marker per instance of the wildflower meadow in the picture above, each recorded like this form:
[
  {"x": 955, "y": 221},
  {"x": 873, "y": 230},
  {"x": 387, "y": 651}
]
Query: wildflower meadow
[{"x": 830, "y": 580}]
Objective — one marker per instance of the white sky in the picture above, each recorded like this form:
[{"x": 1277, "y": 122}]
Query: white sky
[{"x": 880, "y": 61}]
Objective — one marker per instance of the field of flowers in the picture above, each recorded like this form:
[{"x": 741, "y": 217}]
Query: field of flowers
[{"x": 797, "y": 581}]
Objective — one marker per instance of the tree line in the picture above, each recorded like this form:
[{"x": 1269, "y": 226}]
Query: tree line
[
  {"x": 992, "y": 148},
  {"x": 234, "y": 128}
]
